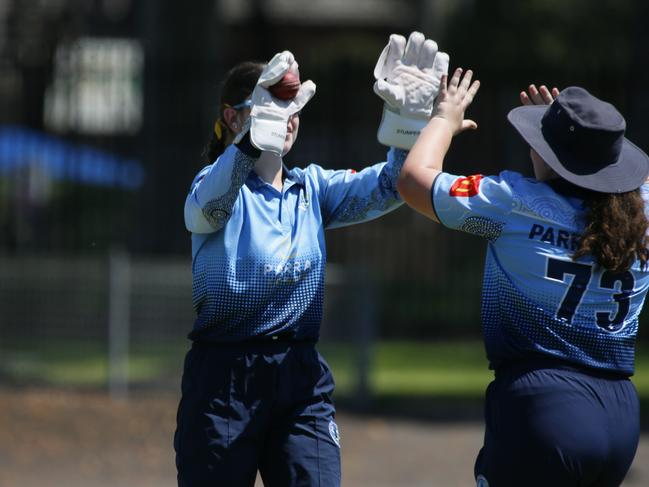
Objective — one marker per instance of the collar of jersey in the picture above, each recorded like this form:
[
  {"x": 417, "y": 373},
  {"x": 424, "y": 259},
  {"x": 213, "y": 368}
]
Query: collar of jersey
[{"x": 292, "y": 177}]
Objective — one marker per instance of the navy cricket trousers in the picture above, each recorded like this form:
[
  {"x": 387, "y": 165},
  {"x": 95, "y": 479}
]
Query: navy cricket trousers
[
  {"x": 558, "y": 426},
  {"x": 256, "y": 406}
]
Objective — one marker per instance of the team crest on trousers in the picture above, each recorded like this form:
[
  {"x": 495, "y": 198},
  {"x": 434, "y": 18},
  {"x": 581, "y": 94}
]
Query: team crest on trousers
[
  {"x": 334, "y": 433},
  {"x": 481, "y": 481}
]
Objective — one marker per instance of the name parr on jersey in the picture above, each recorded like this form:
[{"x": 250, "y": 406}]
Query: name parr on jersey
[
  {"x": 558, "y": 238},
  {"x": 289, "y": 271}
]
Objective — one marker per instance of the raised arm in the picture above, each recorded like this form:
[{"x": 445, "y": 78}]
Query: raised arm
[
  {"x": 425, "y": 160},
  {"x": 408, "y": 75},
  {"x": 348, "y": 197},
  {"x": 215, "y": 189}
]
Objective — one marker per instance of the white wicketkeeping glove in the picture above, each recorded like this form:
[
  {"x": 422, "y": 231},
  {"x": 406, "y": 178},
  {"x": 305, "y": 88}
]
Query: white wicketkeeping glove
[
  {"x": 407, "y": 79},
  {"x": 268, "y": 115}
]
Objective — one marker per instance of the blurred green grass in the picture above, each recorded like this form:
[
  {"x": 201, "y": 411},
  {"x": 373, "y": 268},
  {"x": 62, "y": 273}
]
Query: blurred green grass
[{"x": 441, "y": 369}]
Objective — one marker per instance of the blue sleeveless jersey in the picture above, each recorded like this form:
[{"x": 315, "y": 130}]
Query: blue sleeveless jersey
[
  {"x": 536, "y": 300},
  {"x": 259, "y": 254}
]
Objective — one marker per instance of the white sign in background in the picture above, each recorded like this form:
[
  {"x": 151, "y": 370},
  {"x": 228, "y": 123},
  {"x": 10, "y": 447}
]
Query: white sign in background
[{"x": 96, "y": 88}]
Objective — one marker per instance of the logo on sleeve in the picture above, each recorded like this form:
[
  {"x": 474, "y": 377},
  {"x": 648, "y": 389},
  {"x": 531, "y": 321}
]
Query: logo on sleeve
[{"x": 466, "y": 186}]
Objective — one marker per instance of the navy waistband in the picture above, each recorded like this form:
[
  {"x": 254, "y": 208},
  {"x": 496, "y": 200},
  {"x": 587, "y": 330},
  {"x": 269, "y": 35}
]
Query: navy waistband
[
  {"x": 286, "y": 338},
  {"x": 536, "y": 363}
]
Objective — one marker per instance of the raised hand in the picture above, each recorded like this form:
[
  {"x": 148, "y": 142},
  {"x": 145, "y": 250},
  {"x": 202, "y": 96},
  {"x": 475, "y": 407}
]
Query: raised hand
[
  {"x": 269, "y": 115},
  {"x": 407, "y": 76},
  {"x": 541, "y": 96},
  {"x": 454, "y": 98}
]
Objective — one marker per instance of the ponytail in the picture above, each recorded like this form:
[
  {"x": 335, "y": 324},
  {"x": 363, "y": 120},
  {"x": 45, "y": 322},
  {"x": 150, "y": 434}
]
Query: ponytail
[
  {"x": 216, "y": 144},
  {"x": 615, "y": 233}
]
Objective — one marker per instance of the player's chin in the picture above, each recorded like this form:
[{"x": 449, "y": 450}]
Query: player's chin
[{"x": 288, "y": 143}]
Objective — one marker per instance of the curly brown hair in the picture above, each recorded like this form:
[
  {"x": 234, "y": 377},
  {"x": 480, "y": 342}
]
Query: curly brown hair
[{"x": 616, "y": 228}]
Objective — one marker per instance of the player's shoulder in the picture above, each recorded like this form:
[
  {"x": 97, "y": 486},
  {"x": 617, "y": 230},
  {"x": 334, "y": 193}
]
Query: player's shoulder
[
  {"x": 201, "y": 174},
  {"x": 516, "y": 179},
  {"x": 504, "y": 179},
  {"x": 303, "y": 170},
  {"x": 522, "y": 185},
  {"x": 308, "y": 172},
  {"x": 313, "y": 169},
  {"x": 310, "y": 175},
  {"x": 317, "y": 174},
  {"x": 204, "y": 170},
  {"x": 507, "y": 184},
  {"x": 547, "y": 201}
]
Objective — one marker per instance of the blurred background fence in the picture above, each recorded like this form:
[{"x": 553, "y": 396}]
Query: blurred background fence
[{"x": 106, "y": 106}]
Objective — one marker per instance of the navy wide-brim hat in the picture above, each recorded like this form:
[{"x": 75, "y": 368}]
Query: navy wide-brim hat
[{"x": 582, "y": 138}]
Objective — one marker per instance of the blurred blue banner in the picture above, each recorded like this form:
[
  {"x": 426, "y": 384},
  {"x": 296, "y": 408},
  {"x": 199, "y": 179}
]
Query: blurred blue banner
[{"x": 66, "y": 161}]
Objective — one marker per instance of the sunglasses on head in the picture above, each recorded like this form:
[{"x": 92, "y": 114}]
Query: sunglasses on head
[
  {"x": 248, "y": 103},
  {"x": 240, "y": 106}
]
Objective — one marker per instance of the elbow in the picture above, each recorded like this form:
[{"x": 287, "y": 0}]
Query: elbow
[
  {"x": 195, "y": 222},
  {"x": 191, "y": 222},
  {"x": 401, "y": 182},
  {"x": 189, "y": 214},
  {"x": 405, "y": 184}
]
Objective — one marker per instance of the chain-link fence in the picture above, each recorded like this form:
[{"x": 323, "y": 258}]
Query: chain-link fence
[
  {"x": 120, "y": 322},
  {"x": 104, "y": 113}
]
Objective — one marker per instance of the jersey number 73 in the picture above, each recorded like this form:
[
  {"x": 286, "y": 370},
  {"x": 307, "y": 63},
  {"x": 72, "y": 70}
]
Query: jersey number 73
[{"x": 579, "y": 275}]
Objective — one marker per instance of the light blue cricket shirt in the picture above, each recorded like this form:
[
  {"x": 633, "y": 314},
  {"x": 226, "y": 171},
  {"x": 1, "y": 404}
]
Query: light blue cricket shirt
[
  {"x": 258, "y": 254},
  {"x": 537, "y": 301}
]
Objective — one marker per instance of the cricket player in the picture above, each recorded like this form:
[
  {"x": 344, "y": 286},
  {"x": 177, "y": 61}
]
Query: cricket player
[
  {"x": 256, "y": 395},
  {"x": 565, "y": 279}
]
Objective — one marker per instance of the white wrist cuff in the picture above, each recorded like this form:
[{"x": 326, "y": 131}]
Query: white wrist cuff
[
  {"x": 268, "y": 135},
  {"x": 398, "y": 131}
]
